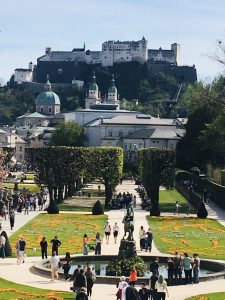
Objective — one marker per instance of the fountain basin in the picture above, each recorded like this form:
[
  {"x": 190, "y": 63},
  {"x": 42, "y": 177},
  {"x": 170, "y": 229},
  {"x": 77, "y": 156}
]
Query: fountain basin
[{"x": 210, "y": 269}]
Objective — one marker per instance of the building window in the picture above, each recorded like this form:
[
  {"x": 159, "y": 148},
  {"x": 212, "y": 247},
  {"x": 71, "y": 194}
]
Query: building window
[
  {"x": 120, "y": 134},
  {"x": 125, "y": 146},
  {"x": 153, "y": 142},
  {"x": 21, "y": 157},
  {"x": 21, "y": 148},
  {"x": 42, "y": 109},
  {"x": 130, "y": 146},
  {"x": 50, "y": 110},
  {"x": 110, "y": 133}
]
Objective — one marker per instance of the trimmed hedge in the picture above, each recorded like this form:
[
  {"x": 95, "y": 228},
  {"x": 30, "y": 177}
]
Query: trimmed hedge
[
  {"x": 98, "y": 209},
  {"x": 217, "y": 192}
]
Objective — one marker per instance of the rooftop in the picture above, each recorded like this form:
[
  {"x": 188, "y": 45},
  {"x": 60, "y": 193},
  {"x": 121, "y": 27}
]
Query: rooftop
[
  {"x": 138, "y": 120},
  {"x": 158, "y": 133}
]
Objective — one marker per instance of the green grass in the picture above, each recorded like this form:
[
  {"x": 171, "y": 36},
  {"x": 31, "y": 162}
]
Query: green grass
[
  {"x": 214, "y": 296},
  {"x": 69, "y": 228},
  {"x": 68, "y": 207},
  {"x": 168, "y": 198},
  {"x": 10, "y": 290},
  {"x": 185, "y": 234},
  {"x": 32, "y": 187}
]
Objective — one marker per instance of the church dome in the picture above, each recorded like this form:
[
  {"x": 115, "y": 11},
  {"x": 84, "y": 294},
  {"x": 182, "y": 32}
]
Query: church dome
[
  {"x": 93, "y": 86},
  {"x": 48, "y": 97},
  {"x": 112, "y": 88}
]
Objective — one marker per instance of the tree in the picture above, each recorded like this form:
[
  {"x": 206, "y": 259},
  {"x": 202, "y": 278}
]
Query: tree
[
  {"x": 157, "y": 168},
  {"x": 202, "y": 211},
  {"x": 68, "y": 134},
  {"x": 106, "y": 163}
]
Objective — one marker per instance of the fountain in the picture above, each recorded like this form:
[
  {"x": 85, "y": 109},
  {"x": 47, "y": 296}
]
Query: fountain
[{"x": 109, "y": 268}]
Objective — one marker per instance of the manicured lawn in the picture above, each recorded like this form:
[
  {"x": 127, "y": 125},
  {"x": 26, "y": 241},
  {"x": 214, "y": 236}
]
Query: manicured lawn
[
  {"x": 32, "y": 187},
  {"x": 10, "y": 290},
  {"x": 214, "y": 296},
  {"x": 185, "y": 234},
  {"x": 68, "y": 207},
  {"x": 69, "y": 228},
  {"x": 168, "y": 198}
]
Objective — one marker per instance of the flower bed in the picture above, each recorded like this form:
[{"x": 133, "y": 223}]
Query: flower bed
[
  {"x": 192, "y": 235},
  {"x": 10, "y": 290},
  {"x": 69, "y": 228}
]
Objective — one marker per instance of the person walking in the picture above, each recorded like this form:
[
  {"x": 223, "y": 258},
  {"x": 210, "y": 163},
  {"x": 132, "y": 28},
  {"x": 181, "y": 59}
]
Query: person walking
[
  {"x": 26, "y": 206},
  {"x": 82, "y": 295},
  {"x": 66, "y": 266},
  {"x": 90, "y": 281},
  {"x": 54, "y": 263},
  {"x": 170, "y": 271},
  {"x": 152, "y": 282},
  {"x": 154, "y": 266},
  {"x": 44, "y": 247},
  {"x": 177, "y": 268},
  {"x": 120, "y": 287},
  {"x": 75, "y": 273},
  {"x": 143, "y": 292},
  {"x": 11, "y": 218},
  {"x": 2, "y": 243},
  {"x": 80, "y": 281},
  {"x": 98, "y": 242},
  {"x": 177, "y": 207},
  {"x": 17, "y": 250},
  {"x": 133, "y": 276},
  {"x": 107, "y": 230},
  {"x": 196, "y": 268},
  {"x": 21, "y": 249},
  {"x": 149, "y": 238},
  {"x": 187, "y": 265},
  {"x": 85, "y": 244},
  {"x": 161, "y": 287},
  {"x": 55, "y": 245},
  {"x": 142, "y": 237},
  {"x": 115, "y": 232}
]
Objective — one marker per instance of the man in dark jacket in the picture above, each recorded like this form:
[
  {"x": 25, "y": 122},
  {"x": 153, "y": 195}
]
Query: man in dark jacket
[
  {"x": 80, "y": 281},
  {"x": 132, "y": 293},
  {"x": 143, "y": 292},
  {"x": 82, "y": 295}
]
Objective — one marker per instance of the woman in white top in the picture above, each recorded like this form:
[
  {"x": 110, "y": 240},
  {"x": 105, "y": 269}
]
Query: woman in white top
[
  {"x": 123, "y": 296},
  {"x": 142, "y": 236},
  {"x": 121, "y": 285},
  {"x": 107, "y": 230},
  {"x": 161, "y": 287},
  {"x": 54, "y": 263},
  {"x": 115, "y": 232}
]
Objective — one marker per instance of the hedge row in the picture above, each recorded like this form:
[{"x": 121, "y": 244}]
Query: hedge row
[{"x": 217, "y": 192}]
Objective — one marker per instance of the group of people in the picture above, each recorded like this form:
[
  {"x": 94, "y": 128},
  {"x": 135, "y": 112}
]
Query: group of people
[
  {"x": 157, "y": 289},
  {"x": 146, "y": 238},
  {"x": 123, "y": 200},
  {"x": 30, "y": 202}
]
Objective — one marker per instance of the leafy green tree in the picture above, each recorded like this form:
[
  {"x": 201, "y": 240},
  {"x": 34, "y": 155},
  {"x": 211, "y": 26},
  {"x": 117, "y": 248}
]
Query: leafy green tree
[
  {"x": 106, "y": 163},
  {"x": 68, "y": 134},
  {"x": 157, "y": 168}
]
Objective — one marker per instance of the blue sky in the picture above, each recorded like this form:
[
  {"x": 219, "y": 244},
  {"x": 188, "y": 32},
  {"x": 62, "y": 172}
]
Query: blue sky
[{"x": 28, "y": 26}]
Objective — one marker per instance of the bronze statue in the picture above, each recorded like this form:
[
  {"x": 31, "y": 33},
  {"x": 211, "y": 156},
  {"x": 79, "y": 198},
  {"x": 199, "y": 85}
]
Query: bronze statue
[{"x": 128, "y": 223}]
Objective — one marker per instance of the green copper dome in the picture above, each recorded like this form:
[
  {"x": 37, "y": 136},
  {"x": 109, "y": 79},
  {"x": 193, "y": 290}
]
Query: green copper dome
[
  {"x": 93, "y": 86},
  {"x": 47, "y": 98},
  {"x": 112, "y": 88}
]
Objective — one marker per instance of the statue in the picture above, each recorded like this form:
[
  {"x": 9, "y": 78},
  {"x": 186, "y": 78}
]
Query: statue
[{"x": 128, "y": 223}]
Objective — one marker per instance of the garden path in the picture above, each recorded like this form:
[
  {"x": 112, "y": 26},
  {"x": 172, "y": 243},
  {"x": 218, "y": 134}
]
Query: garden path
[{"x": 22, "y": 273}]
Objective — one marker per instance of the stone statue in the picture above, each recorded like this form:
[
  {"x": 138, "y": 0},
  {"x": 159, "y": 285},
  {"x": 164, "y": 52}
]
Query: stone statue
[{"x": 128, "y": 223}]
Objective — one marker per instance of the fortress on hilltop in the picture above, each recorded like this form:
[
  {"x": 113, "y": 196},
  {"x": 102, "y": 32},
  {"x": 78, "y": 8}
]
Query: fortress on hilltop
[{"x": 115, "y": 52}]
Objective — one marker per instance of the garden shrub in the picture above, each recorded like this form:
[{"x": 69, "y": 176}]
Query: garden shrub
[
  {"x": 202, "y": 211},
  {"x": 53, "y": 208},
  {"x": 98, "y": 208}
]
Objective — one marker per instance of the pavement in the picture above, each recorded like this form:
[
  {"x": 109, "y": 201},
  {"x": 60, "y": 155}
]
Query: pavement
[{"x": 24, "y": 273}]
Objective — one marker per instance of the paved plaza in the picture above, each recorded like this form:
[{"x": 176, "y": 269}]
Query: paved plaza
[{"x": 24, "y": 273}]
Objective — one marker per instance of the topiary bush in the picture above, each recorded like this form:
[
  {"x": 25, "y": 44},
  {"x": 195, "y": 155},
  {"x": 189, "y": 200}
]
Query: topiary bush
[
  {"x": 53, "y": 208},
  {"x": 98, "y": 208},
  {"x": 202, "y": 211},
  {"x": 8, "y": 248},
  {"x": 121, "y": 267}
]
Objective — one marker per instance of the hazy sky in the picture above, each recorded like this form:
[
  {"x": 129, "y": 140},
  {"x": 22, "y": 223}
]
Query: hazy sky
[{"x": 28, "y": 26}]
